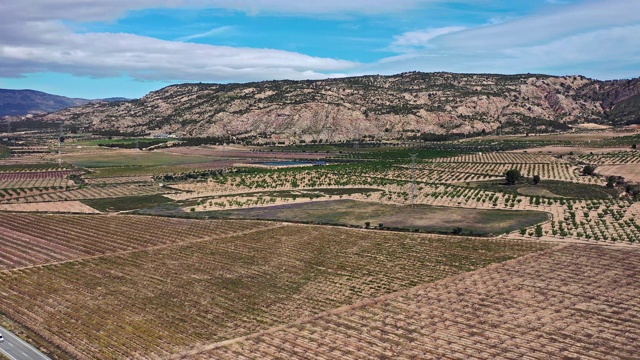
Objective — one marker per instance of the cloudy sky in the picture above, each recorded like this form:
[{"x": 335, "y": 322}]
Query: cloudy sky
[{"x": 105, "y": 48}]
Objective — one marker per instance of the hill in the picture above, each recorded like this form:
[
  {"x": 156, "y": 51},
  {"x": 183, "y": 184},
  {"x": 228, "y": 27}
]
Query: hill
[
  {"x": 24, "y": 102},
  {"x": 407, "y": 105}
]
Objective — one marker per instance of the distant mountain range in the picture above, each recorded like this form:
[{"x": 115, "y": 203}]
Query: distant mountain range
[
  {"x": 404, "y": 106},
  {"x": 23, "y": 102}
]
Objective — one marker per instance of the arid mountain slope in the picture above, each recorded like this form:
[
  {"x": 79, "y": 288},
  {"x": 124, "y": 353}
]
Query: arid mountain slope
[{"x": 403, "y": 105}]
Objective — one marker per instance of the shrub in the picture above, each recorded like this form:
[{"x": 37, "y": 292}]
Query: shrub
[
  {"x": 588, "y": 170},
  {"x": 538, "y": 230},
  {"x": 512, "y": 176},
  {"x": 536, "y": 179}
]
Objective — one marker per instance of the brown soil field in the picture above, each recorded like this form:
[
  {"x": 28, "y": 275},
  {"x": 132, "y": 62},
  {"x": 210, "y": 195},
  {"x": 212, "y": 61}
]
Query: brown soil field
[
  {"x": 575, "y": 302},
  {"x": 157, "y": 302},
  {"x": 630, "y": 172},
  {"x": 53, "y": 206}
]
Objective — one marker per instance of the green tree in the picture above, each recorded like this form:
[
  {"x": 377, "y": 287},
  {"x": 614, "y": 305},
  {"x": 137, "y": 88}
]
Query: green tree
[
  {"x": 588, "y": 170},
  {"x": 538, "y": 230},
  {"x": 536, "y": 179},
  {"x": 512, "y": 176}
]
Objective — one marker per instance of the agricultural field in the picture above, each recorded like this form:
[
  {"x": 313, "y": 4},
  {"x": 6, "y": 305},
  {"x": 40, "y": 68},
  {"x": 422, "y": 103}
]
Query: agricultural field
[
  {"x": 127, "y": 297},
  {"x": 571, "y": 302},
  {"x": 120, "y": 158},
  {"x": 185, "y": 252},
  {"x": 50, "y": 207},
  {"x": 93, "y": 192},
  {"x": 429, "y": 218},
  {"x": 30, "y": 240}
]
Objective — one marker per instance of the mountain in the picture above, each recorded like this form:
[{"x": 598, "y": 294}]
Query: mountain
[
  {"x": 23, "y": 102},
  {"x": 383, "y": 107}
]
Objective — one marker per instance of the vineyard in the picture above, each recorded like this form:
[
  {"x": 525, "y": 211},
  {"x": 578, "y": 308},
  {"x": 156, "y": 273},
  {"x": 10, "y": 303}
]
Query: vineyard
[
  {"x": 617, "y": 158},
  {"x": 29, "y": 240},
  {"x": 24, "y": 181},
  {"x": 230, "y": 266},
  {"x": 573, "y": 302},
  {"x": 161, "y": 301},
  {"x": 93, "y": 192}
]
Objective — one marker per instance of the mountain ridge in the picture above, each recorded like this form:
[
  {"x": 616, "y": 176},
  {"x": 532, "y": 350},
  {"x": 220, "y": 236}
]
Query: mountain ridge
[
  {"x": 378, "y": 107},
  {"x": 27, "y": 101}
]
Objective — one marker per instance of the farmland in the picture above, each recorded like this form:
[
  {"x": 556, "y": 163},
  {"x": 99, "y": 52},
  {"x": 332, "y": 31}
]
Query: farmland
[
  {"x": 163, "y": 300},
  {"x": 357, "y": 213},
  {"x": 30, "y": 240},
  {"x": 574, "y": 302},
  {"x": 187, "y": 252}
]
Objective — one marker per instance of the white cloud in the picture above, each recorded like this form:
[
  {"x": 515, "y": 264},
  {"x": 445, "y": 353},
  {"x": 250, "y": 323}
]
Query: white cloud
[
  {"x": 34, "y": 39},
  {"x": 212, "y": 32},
  {"x": 104, "y": 54},
  {"x": 565, "y": 39},
  {"x": 549, "y": 26},
  {"x": 101, "y": 10},
  {"x": 317, "y": 7},
  {"x": 596, "y": 38},
  {"x": 421, "y": 38}
]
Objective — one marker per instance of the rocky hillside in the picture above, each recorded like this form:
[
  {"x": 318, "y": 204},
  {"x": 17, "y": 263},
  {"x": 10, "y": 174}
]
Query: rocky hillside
[{"x": 382, "y": 107}]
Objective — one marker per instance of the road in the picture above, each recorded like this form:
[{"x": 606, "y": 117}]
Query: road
[{"x": 17, "y": 349}]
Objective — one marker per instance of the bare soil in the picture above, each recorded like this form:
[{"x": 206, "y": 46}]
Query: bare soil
[
  {"x": 631, "y": 172},
  {"x": 53, "y": 206}
]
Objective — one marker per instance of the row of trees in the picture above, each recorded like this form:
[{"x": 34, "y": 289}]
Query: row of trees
[{"x": 513, "y": 176}]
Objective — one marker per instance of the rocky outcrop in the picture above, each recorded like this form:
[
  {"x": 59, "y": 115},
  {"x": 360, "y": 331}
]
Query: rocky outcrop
[{"x": 380, "y": 107}]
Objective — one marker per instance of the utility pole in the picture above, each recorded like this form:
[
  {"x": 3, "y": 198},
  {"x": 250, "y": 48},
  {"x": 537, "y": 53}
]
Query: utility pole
[
  {"x": 413, "y": 178},
  {"x": 137, "y": 151}
]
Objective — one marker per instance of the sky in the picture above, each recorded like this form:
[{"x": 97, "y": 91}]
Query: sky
[{"x": 127, "y": 48}]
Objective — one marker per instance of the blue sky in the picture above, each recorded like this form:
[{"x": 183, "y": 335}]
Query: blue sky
[{"x": 106, "y": 48}]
